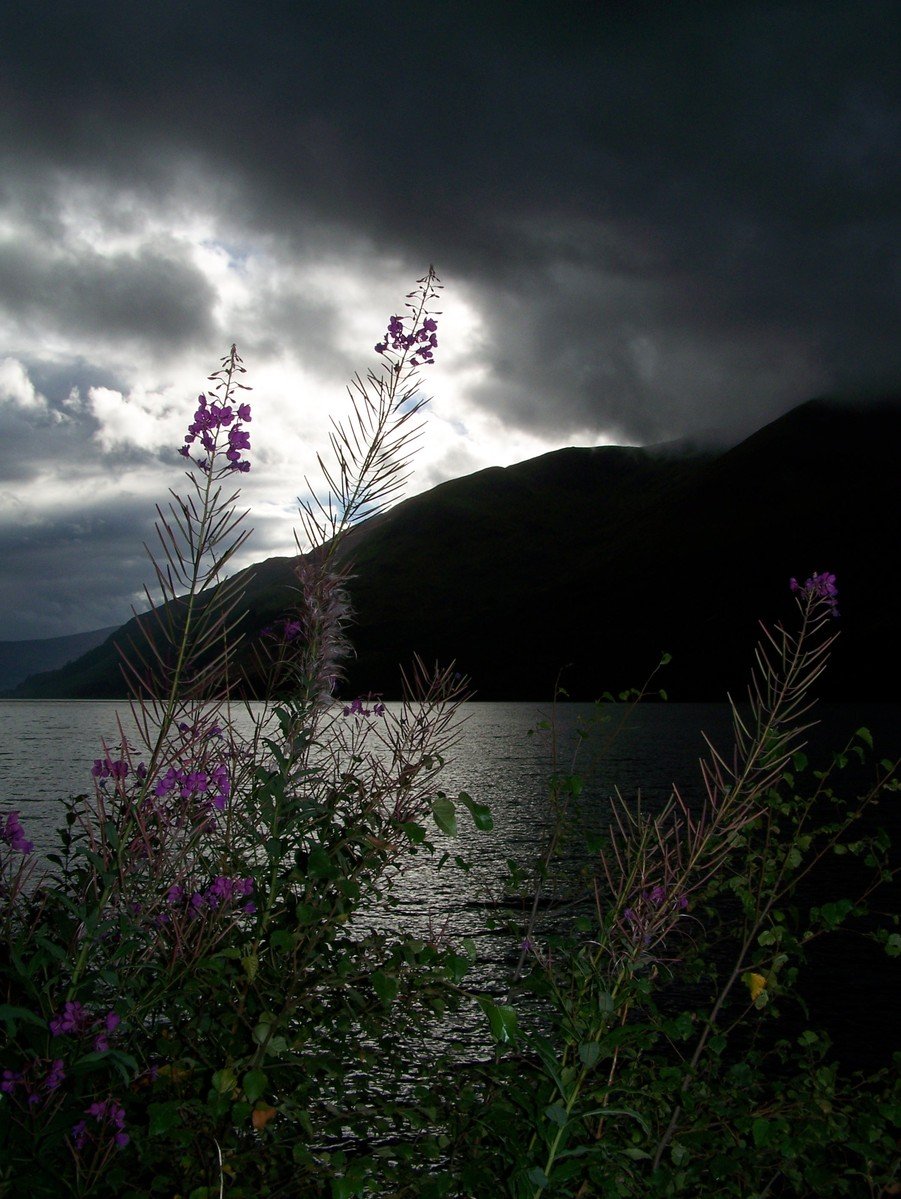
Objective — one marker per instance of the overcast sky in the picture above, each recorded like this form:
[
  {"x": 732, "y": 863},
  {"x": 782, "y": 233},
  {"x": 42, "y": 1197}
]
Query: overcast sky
[{"x": 653, "y": 221}]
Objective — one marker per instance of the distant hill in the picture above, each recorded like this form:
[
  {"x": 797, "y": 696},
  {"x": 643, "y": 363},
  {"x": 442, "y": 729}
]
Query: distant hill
[
  {"x": 19, "y": 659},
  {"x": 593, "y": 561}
]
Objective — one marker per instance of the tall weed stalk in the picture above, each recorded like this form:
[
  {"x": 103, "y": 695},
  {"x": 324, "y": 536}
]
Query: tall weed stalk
[{"x": 669, "y": 1052}]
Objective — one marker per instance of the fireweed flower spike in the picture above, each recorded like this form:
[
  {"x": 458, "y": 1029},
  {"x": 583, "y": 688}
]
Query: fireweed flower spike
[
  {"x": 366, "y": 470},
  {"x": 209, "y": 419},
  {"x": 821, "y": 586}
]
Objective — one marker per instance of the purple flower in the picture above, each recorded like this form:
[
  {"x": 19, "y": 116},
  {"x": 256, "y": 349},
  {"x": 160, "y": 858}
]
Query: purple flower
[
  {"x": 222, "y": 783},
  {"x": 166, "y": 783},
  {"x": 222, "y": 892},
  {"x": 55, "y": 1076},
  {"x": 214, "y": 784},
  {"x": 208, "y": 419},
  {"x": 422, "y": 341},
  {"x": 13, "y": 834},
  {"x": 819, "y": 586},
  {"x": 111, "y": 1022},
  {"x": 9, "y": 1081},
  {"x": 110, "y": 1116},
  {"x": 72, "y": 1020},
  {"x": 357, "y": 707},
  {"x": 104, "y": 769},
  {"x": 34, "y": 1094}
]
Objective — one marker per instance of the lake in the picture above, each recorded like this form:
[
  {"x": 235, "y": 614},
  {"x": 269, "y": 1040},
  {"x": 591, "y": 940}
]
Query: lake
[{"x": 47, "y": 749}]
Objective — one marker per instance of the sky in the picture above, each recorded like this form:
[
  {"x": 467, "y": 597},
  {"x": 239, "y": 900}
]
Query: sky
[{"x": 652, "y": 222}]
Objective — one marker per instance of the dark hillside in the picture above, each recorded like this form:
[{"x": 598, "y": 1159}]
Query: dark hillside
[{"x": 594, "y": 561}]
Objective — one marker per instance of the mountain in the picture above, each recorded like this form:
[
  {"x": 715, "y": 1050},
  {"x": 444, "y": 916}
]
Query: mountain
[
  {"x": 586, "y": 564},
  {"x": 19, "y": 659}
]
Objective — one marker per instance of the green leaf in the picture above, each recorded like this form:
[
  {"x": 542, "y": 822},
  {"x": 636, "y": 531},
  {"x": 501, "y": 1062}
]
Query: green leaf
[
  {"x": 538, "y": 1178},
  {"x": 636, "y": 1154},
  {"x": 250, "y": 964},
  {"x": 866, "y": 736},
  {"x": 761, "y": 1130},
  {"x": 163, "y": 1117},
  {"x": 481, "y": 814},
  {"x": 224, "y": 1080},
  {"x": 346, "y": 1188},
  {"x": 556, "y": 1114},
  {"x": 320, "y": 864},
  {"x": 10, "y": 1014},
  {"x": 832, "y": 914},
  {"x": 445, "y": 815},
  {"x": 589, "y": 1052},
  {"x": 241, "y": 1112},
  {"x": 385, "y": 986},
  {"x": 254, "y": 1085},
  {"x": 893, "y": 945},
  {"x": 501, "y": 1019}
]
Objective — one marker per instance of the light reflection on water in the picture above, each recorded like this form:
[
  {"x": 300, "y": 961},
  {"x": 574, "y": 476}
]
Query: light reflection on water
[
  {"x": 47, "y": 749},
  {"x": 503, "y": 758}
]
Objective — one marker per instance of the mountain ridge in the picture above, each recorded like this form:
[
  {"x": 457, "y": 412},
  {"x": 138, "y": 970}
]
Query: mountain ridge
[{"x": 594, "y": 560}]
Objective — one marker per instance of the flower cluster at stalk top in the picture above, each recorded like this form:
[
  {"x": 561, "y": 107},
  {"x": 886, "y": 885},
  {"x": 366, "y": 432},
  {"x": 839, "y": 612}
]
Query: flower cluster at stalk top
[
  {"x": 422, "y": 341},
  {"x": 821, "y": 586},
  {"x": 208, "y": 420},
  {"x": 13, "y": 834}
]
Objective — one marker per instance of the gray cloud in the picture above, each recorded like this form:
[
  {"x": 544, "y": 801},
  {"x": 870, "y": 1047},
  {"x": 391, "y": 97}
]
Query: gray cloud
[
  {"x": 672, "y": 219},
  {"x": 145, "y": 296}
]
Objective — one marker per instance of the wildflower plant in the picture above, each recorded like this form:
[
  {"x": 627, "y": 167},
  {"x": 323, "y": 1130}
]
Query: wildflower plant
[
  {"x": 185, "y": 989},
  {"x": 671, "y": 1052},
  {"x": 209, "y": 992}
]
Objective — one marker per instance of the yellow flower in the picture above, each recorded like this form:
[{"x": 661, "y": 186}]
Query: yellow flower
[{"x": 755, "y": 983}]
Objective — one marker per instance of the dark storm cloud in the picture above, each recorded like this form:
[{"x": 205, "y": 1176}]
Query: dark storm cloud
[
  {"x": 147, "y": 296},
  {"x": 101, "y": 546},
  {"x": 719, "y": 177}
]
